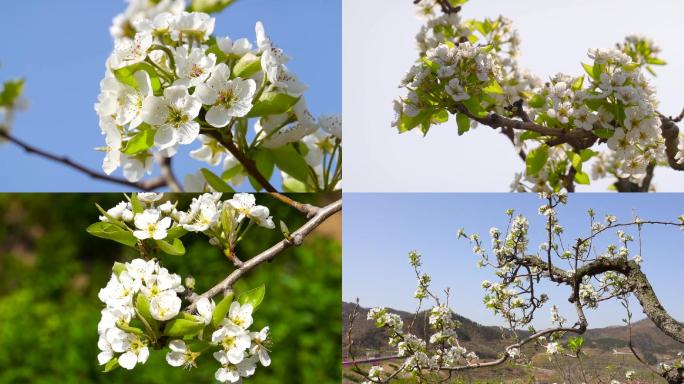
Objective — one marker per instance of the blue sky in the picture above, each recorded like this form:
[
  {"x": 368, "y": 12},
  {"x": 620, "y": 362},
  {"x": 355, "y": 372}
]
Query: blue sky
[
  {"x": 61, "y": 50},
  {"x": 380, "y": 230}
]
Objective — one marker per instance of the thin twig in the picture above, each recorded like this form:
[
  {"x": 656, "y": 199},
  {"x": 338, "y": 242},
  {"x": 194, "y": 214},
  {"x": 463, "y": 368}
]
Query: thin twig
[
  {"x": 307, "y": 209},
  {"x": 295, "y": 239},
  {"x": 167, "y": 174},
  {"x": 149, "y": 185}
]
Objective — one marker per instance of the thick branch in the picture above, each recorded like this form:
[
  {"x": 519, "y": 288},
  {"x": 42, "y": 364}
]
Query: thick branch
[
  {"x": 149, "y": 185},
  {"x": 295, "y": 239},
  {"x": 671, "y": 135}
]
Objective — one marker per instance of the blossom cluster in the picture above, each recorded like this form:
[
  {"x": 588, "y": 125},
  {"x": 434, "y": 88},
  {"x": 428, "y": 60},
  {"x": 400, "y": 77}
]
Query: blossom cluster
[
  {"x": 614, "y": 103},
  {"x": 442, "y": 350},
  {"x": 169, "y": 82}
]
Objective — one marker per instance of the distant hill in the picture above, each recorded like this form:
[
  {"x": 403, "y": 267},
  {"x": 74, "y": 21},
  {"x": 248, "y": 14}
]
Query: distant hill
[{"x": 488, "y": 341}]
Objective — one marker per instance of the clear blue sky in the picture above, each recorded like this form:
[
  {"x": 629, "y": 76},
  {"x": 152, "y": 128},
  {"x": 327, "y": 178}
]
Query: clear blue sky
[
  {"x": 380, "y": 230},
  {"x": 61, "y": 48}
]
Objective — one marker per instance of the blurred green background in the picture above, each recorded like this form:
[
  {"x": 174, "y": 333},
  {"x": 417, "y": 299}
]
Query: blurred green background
[{"x": 51, "y": 271}]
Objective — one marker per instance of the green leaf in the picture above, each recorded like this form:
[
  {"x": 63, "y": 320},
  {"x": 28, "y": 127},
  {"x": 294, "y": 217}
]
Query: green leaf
[
  {"x": 440, "y": 117},
  {"x": 113, "y": 232},
  {"x": 127, "y": 328},
  {"x": 594, "y": 71},
  {"x": 474, "y": 106},
  {"x": 576, "y": 161},
  {"x": 493, "y": 88},
  {"x": 216, "y": 182},
  {"x": 577, "y": 84},
  {"x": 117, "y": 268},
  {"x": 126, "y": 75},
  {"x": 656, "y": 61},
  {"x": 221, "y": 310},
  {"x": 294, "y": 186},
  {"x": 175, "y": 248},
  {"x": 182, "y": 327},
  {"x": 587, "y": 154},
  {"x": 463, "y": 123},
  {"x": 175, "y": 232},
  {"x": 407, "y": 122},
  {"x": 536, "y": 159},
  {"x": 291, "y": 162},
  {"x": 265, "y": 166},
  {"x": 247, "y": 66},
  {"x": 141, "y": 142},
  {"x": 11, "y": 91},
  {"x": 142, "y": 305},
  {"x": 253, "y": 296},
  {"x": 537, "y": 101},
  {"x": 603, "y": 133},
  {"x": 581, "y": 178},
  {"x": 529, "y": 135},
  {"x": 111, "y": 365},
  {"x": 135, "y": 202},
  {"x": 209, "y": 6},
  {"x": 272, "y": 103}
]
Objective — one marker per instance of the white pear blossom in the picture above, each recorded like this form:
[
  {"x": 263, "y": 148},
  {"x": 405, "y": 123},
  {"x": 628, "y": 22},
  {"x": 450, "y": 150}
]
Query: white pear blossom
[
  {"x": 234, "y": 341},
  {"x": 165, "y": 306},
  {"x": 174, "y": 114},
  {"x": 194, "y": 65},
  {"x": 228, "y": 97},
  {"x": 150, "y": 226},
  {"x": 240, "y": 315}
]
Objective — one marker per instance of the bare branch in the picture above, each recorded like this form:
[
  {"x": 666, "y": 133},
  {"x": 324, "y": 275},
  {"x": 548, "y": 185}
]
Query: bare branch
[
  {"x": 168, "y": 176},
  {"x": 296, "y": 239},
  {"x": 149, "y": 185}
]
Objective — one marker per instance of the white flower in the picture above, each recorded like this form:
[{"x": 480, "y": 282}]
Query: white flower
[
  {"x": 230, "y": 372},
  {"x": 150, "y": 226},
  {"x": 117, "y": 212},
  {"x": 180, "y": 355},
  {"x": 205, "y": 309},
  {"x": 165, "y": 306},
  {"x": 258, "y": 347},
  {"x": 234, "y": 341},
  {"x": 194, "y": 65},
  {"x": 106, "y": 351},
  {"x": 141, "y": 270},
  {"x": 174, "y": 114},
  {"x": 228, "y": 98},
  {"x": 135, "y": 167},
  {"x": 134, "y": 350},
  {"x": 128, "y": 52},
  {"x": 238, "y": 47},
  {"x": 332, "y": 125},
  {"x": 210, "y": 152},
  {"x": 112, "y": 159},
  {"x": 150, "y": 197},
  {"x": 240, "y": 315},
  {"x": 552, "y": 348},
  {"x": 245, "y": 205},
  {"x": 119, "y": 290},
  {"x": 196, "y": 25}
]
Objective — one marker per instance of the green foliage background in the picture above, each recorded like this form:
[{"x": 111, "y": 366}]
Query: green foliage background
[{"x": 51, "y": 271}]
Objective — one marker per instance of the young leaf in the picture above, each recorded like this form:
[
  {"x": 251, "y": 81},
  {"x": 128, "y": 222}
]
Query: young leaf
[
  {"x": 209, "y": 6},
  {"x": 175, "y": 233},
  {"x": 272, "y": 103},
  {"x": 216, "y": 182},
  {"x": 603, "y": 133},
  {"x": 126, "y": 75},
  {"x": 11, "y": 91},
  {"x": 142, "y": 305},
  {"x": 463, "y": 123},
  {"x": 142, "y": 141},
  {"x": 264, "y": 164},
  {"x": 582, "y": 178},
  {"x": 221, "y": 310},
  {"x": 493, "y": 88},
  {"x": 174, "y": 248},
  {"x": 117, "y": 268},
  {"x": 113, "y": 232},
  {"x": 291, "y": 162},
  {"x": 253, "y": 296},
  {"x": 247, "y": 66},
  {"x": 111, "y": 365},
  {"x": 536, "y": 159},
  {"x": 182, "y": 327},
  {"x": 137, "y": 205}
]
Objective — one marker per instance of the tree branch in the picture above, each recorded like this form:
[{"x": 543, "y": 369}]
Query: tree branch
[
  {"x": 149, "y": 185},
  {"x": 247, "y": 163},
  {"x": 670, "y": 132},
  {"x": 295, "y": 239},
  {"x": 168, "y": 176},
  {"x": 307, "y": 209}
]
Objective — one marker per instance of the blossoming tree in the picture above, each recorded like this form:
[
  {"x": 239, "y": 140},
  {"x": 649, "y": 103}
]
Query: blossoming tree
[
  {"x": 592, "y": 276},
  {"x": 170, "y": 82},
  {"x": 607, "y": 118},
  {"x": 149, "y": 308}
]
